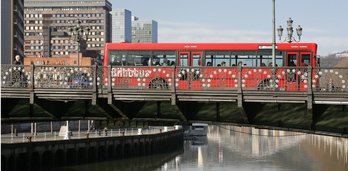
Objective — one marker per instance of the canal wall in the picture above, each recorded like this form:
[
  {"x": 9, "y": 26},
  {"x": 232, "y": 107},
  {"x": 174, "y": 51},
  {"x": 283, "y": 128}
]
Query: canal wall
[{"x": 49, "y": 154}]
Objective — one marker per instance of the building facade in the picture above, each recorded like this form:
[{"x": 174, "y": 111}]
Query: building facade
[
  {"x": 48, "y": 27},
  {"x": 122, "y": 26},
  {"x": 144, "y": 31},
  {"x": 12, "y": 29}
]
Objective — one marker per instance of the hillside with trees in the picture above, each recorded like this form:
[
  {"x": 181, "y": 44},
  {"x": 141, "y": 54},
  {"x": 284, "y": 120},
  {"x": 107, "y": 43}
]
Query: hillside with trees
[{"x": 335, "y": 60}]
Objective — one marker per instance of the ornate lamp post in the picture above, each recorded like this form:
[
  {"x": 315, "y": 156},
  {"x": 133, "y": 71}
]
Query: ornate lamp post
[
  {"x": 79, "y": 34},
  {"x": 290, "y": 31}
]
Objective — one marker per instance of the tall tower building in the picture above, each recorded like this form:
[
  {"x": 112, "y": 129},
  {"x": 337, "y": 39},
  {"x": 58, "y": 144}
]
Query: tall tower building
[
  {"x": 144, "y": 31},
  {"x": 48, "y": 23},
  {"x": 122, "y": 26},
  {"x": 12, "y": 29}
]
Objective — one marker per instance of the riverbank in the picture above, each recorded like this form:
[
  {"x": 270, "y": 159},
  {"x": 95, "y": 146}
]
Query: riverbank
[{"x": 42, "y": 155}]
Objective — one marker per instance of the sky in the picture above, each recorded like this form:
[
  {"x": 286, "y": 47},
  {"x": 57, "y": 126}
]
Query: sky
[{"x": 201, "y": 21}]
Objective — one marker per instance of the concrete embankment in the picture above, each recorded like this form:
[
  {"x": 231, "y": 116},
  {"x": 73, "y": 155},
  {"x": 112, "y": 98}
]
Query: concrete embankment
[{"x": 42, "y": 155}]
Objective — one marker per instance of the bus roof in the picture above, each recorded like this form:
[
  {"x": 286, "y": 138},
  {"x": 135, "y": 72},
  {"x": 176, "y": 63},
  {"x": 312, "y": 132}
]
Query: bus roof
[{"x": 209, "y": 46}]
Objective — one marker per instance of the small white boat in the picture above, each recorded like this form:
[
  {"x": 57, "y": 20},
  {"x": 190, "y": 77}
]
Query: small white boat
[{"x": 197, "y": 129}]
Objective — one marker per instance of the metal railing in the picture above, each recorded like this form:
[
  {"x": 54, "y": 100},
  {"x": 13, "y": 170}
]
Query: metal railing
[
  {"x": 83, "y": 134},
  {"x": 109, "y": 78}
]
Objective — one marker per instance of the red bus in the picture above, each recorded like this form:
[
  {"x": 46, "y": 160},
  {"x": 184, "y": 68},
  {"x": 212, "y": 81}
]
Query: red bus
[{"x": 203, "y": 66}]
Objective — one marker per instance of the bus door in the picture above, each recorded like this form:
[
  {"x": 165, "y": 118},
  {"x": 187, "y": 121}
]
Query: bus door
[
  {"x": 305, "y": 61},
  {"x": 196, "y": 70},
  {"x": 293, "y": 64},
  {"x": 190, "y": 59},
  {"x": 188, "y": 71}
]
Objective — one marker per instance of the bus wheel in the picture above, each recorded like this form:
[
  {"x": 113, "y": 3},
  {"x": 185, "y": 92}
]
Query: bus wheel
[
  {"x": 158, "y": 83},
  {"x": 264, "y": 85}
]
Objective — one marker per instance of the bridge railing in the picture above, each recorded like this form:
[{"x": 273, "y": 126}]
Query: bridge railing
[
  {"x": 109, "y": 78},
  {"x": 330, "y": 79},
  {"x": 16, "y": 76}
]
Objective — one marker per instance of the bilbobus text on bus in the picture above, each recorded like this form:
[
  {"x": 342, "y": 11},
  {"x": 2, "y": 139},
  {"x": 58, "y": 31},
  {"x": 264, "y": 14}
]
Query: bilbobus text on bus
[{"x": 207, "y": 66}]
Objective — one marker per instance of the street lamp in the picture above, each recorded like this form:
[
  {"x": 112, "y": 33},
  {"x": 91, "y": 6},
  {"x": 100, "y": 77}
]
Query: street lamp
[
  {"x": 79, "y": 34},
  {"x": 290, "y": 38}
]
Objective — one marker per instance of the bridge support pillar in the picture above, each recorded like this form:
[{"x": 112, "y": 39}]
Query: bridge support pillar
[
  {"x": 243, "y": 113},
  {"x": 309, "y": 103},
  {"x": 173, "y": 99},
  {"x": 310, "y": 116},
  {"x": 32, "y": 97}
]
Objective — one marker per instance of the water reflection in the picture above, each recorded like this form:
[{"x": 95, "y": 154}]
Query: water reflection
[
  {"x": 244, "y": 148},
  {"x": 130, "y": 164}
]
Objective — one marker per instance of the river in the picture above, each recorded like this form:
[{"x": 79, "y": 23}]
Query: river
[{"x": 241, "y": 148}]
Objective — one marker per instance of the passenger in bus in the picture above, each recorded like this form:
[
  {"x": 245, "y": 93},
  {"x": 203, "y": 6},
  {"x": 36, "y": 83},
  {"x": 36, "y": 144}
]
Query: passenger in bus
[
  {"x": 233, "y": 64},
  {"x": 116, "y": 61},
  {"x": 168, "y": 62},
  {"x": 145, "y": 62},
  {"x": 219, "y": 65},
  {"x": 240, "y": 63},
  {"x": 270, "y": 64},
  {"x": 223, "y": 63},
  {"x": 263, "y": 64},
  {"x": 209, "y": 64},
  {"x": 292, "y": 63},
  {"x": 165, "y": 60},
  {"x": 157, "y": 62},
  {"x": 172, "y": 63}
]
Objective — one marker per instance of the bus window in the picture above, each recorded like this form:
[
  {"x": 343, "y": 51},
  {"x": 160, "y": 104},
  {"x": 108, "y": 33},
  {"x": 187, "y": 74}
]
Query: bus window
[
  {"x": 265, "y": 58},
  {"x": 184, "y": 59},
  {"x": 154, "y": 61},
  {"x": 171, "y": 60},
  {"x": 196, "y": 60},
  {"x": 292, "y": 60},
  {"x": 166, "y": 58},
  {"x": 218, "y": 59},
  {"x": 305, "y": 58},
  {"x": 246, "y": 60},
  {"x": 260, "y": 61},
  {"x": 232, "y": 61},
  {"x": 137, "y": 58},
  {"x": 116, "y": 57},
  {"x": 209, "y": 60},
  {"x": 145, "y": 61},
  {"x": 115, "y": 60}
]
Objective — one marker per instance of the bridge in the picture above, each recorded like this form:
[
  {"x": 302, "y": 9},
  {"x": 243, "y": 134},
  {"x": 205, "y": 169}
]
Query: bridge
[{"x": 306, "y": 97}]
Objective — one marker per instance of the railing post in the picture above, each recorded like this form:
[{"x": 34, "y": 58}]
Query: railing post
[
  {"x": 273, "y": 78},
  {"x": 110, "y": 100},
  {"x": 32, "y": 79},
  {"x": 240, "y": 91},
  {"x": 95, "y": 86},
  {"x": 173, "y": 87},
  {"x": 309, "y": 88}
]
